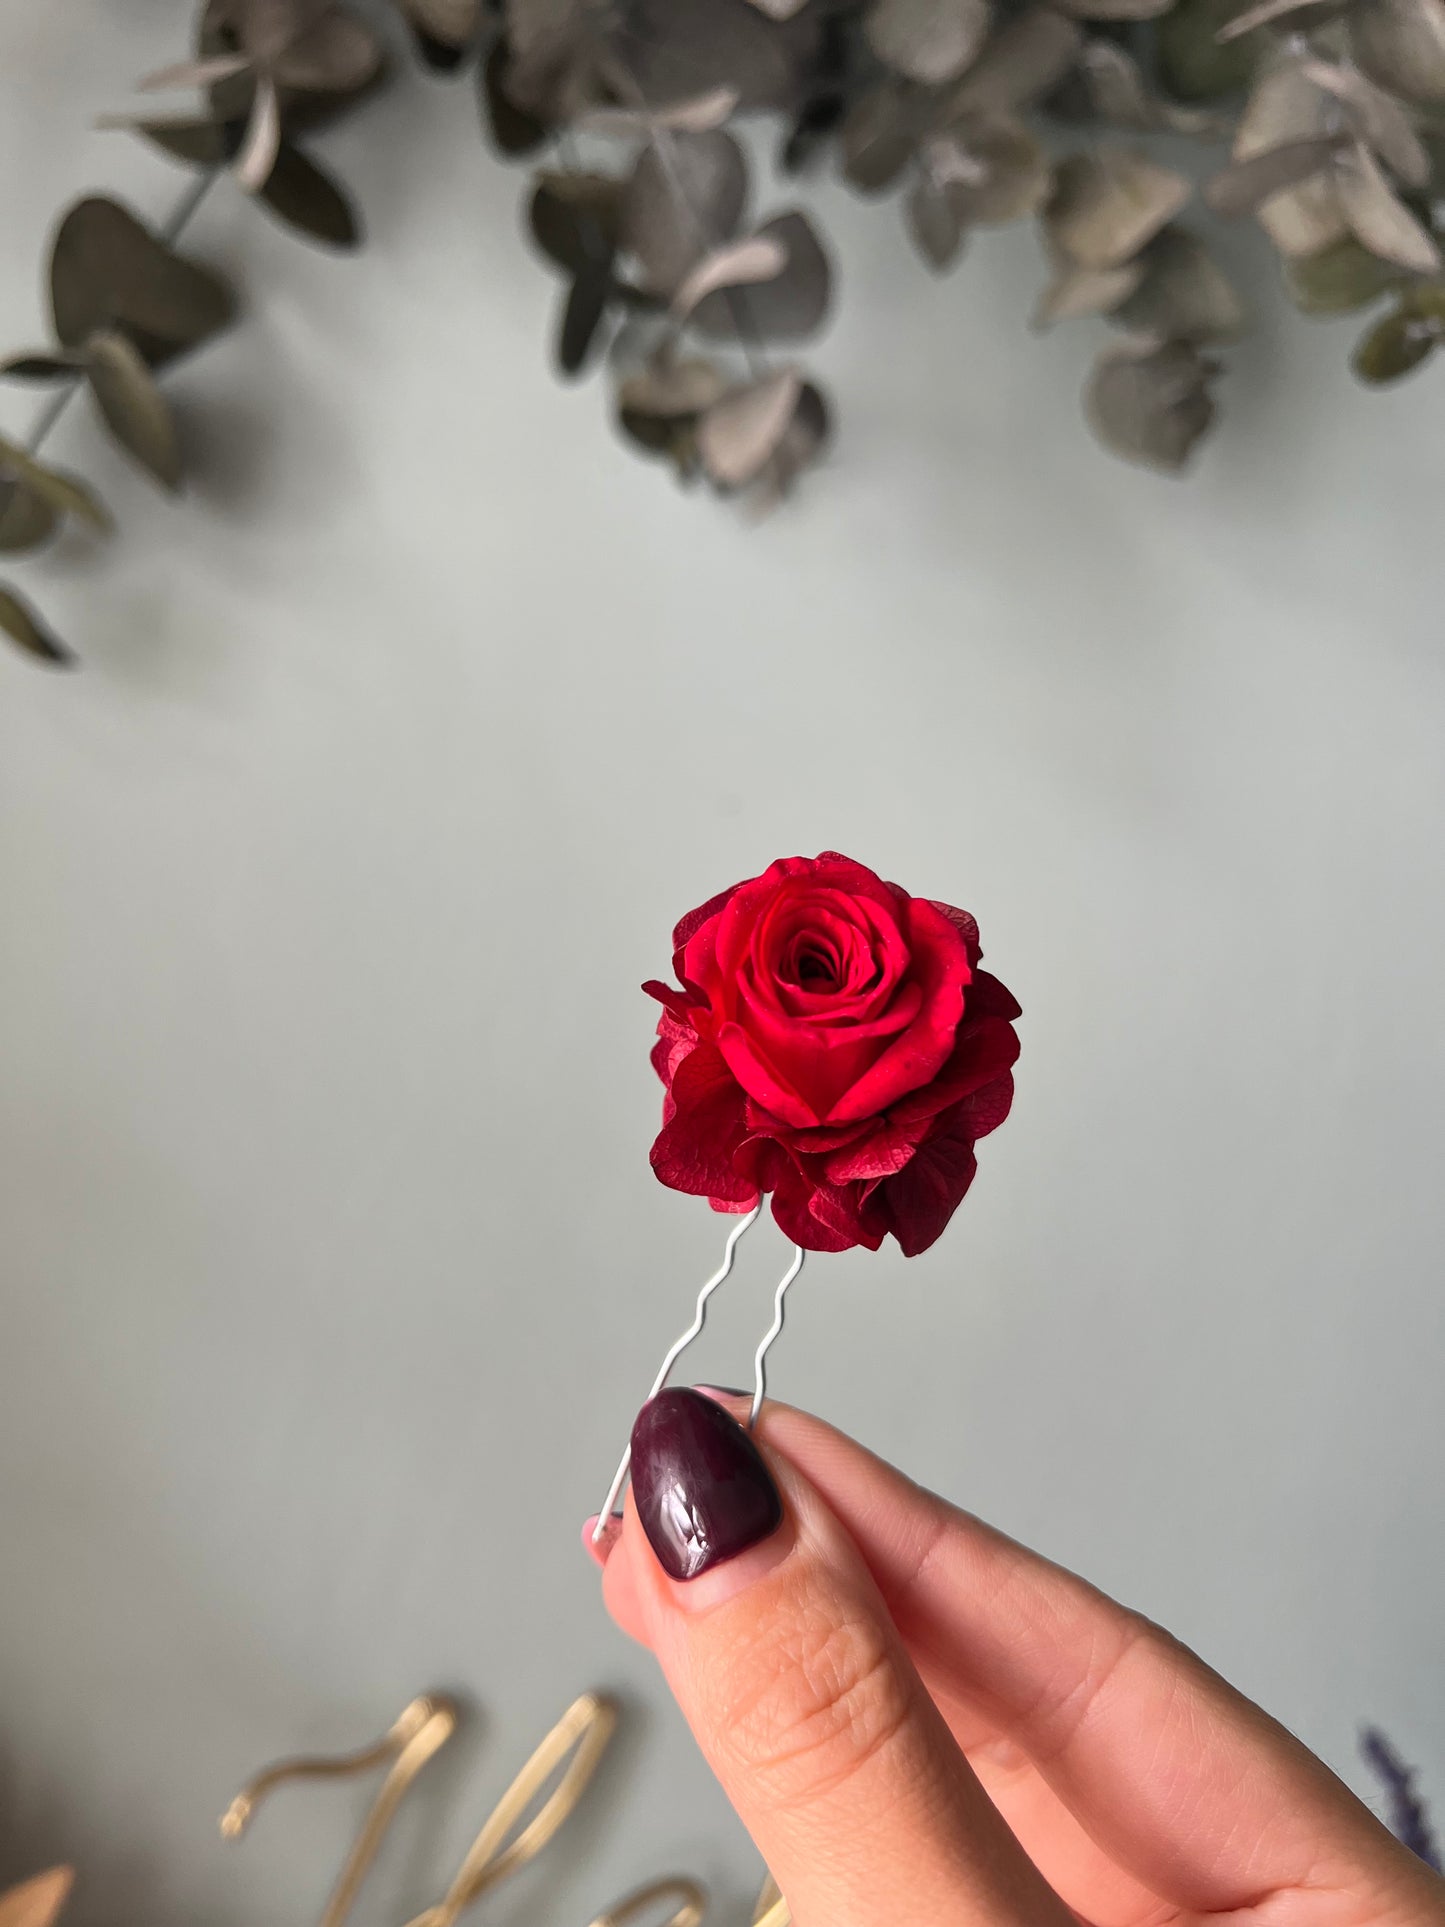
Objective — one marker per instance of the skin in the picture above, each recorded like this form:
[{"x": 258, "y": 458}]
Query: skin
[{"x": 923, "y": 1724}]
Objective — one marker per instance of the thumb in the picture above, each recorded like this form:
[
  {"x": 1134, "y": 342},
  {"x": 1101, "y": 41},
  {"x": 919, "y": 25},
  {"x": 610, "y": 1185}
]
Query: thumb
[{"x": 780, "y": 1651}]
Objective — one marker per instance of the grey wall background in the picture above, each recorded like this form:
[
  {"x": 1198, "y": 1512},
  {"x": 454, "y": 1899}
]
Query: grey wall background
[{"x": 327, "y": 888}]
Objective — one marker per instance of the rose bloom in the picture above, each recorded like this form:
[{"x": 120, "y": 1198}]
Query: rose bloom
[{"x": 834, "y": 1044}]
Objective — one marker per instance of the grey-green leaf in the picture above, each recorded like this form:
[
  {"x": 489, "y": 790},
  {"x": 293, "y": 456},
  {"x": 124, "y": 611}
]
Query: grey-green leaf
[
  {"x": 27, "y": 520},
  {"x": 1193, "y": 65},
  {"x": 1076, "y": 291},
  {"x": 927, "y": 41},
  {"x": 1401, "y": 44},
  {"x": 39, "y": 366},
  {"x": 1108, "y": 203},
  {"x": 1340, "y": 279},
  {"x": 934, "y": 223},
  {"x": 134, "y": 408},
  {"x": 108, "y": 271},
  {"x": 1024, "y": 59},
  {"x": 582, "y": 316},
  {"x": 1184, "y": 294},
  {"x": 789, "y": 307},
  {"x": 26, "y": 629},
  {"x": 685, "y": 197},
  {"x": 1152, "y": 404},
  {"x": 1243, "y": 186},
  {"x": 1394, "y": 346},
  {"x": 1378, "y": 217},
  {"x": 738, "y": 435},
  {"x": 514, "y": 130},
  {"x": 306, "y": 198}
]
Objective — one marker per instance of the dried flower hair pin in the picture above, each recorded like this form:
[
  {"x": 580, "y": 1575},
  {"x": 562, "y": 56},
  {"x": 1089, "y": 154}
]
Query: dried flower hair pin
[{"x": 833, "y": 1047}]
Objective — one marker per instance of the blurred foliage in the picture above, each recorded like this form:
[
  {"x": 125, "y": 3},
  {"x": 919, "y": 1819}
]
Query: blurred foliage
[{"x": 969, "y": 113}]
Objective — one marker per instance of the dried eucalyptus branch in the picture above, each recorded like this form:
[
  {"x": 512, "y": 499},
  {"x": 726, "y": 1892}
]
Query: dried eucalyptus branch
[{"x": 1332, "y": 110}]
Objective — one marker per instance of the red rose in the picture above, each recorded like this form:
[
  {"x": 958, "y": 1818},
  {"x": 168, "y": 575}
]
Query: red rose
[{"x": 834, "y": 1043}]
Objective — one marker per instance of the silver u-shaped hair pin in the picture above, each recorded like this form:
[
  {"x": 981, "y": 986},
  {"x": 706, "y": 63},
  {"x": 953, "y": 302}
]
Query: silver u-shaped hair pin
[{"x": 680, "y": 1345}]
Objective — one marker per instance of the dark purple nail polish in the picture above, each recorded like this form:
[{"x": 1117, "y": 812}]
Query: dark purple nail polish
[{"x": 699, "y": 1483}]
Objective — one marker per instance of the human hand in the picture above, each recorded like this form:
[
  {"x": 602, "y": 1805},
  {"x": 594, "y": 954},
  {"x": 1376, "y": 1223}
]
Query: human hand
[{"x": 923, "y": 1724}]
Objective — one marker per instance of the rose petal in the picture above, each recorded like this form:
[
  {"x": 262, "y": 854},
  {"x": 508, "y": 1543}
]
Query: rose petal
[{"x": 940, "y": 963}]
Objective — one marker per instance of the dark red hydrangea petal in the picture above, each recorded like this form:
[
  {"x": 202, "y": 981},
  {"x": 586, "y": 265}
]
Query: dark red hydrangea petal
[
  {"x": 964, "y": 924},
  {"x": 983, "y": 1111},
  {"x": 674, "y": 1040},
  {"x": 987, "y": 997},
  {"x": 984, "y": 1051},
  {"x": 695, "y": 1148},
  {"x": 923, "y": 1197},
  {"x": 822, "y": 1217}
]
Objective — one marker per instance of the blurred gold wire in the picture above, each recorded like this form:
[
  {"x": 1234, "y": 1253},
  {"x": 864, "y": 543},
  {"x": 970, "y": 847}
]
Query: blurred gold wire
[
  {"x": 688, "y": 1899},
  {"x": 421, "y": 1729},
  {"x": 575, "y": 1745},
  {"x": 771, "y": 1909}
]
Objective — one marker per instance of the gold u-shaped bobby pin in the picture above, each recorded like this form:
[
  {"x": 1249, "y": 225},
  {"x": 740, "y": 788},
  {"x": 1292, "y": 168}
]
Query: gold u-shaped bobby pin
[
  {"x": 421, "y": 1729},
  {"x": 689, "y": 1905},
  {"x": 771, "y": 1909},
  {"x": 575, "y": 1744}
]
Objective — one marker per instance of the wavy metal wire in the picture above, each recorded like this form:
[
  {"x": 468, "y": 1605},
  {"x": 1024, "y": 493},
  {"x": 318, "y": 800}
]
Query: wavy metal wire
[{"x": 694, "y": 1330}]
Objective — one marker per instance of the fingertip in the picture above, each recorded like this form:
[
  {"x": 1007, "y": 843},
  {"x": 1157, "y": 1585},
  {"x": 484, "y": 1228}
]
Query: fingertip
[{"x": 599, "y": 1545}]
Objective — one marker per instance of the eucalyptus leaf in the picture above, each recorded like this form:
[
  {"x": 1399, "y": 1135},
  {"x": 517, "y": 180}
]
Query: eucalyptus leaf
[
  {"x": 27, "y": 520},
  {"x": 1340, "y": 279},
  {"x": 1192, "y": 64},
  {"x": 1393, "y": 347},
  {"x": 1114, "y": 9},
  {"x": 1184, "y": 294},
  {"x": 256, "y": 156},
  {"x": 1151, "y": 403},
  {"x": 877, "y": 139},
  {"x": 1108, "y": 203},
  {"x": 1076, "y": 291},
  {"x": 193, "y": 73},
  {"x": 1285, "y": 106},
  {"x": 792, "y": 304},
  {"x": 1378, "y": 118},
  {"x": 1023, "y": 60},
  {"x": 1120, "y": 95},
  {"x": 196, "y": 139},
  {"x": 1401, "y": 44},
  {"x": 336, "y": 54},
  {"x": 26, "y": 629},
  {"x": 738, "y": 434},
  {"x": 934, "y": 223},
  {"x": 1244, "y": 186},
  {"x": 685, "y": 197},
  {"x": 669, "y": 388},
  {"x": 779, "y": 9},
  {"x": 1377, "y": 216},
  {"x": 305, "y": 197},
  {"x": 696, "y": 114},
  {"x": 107, "y": 270},
  {"x": 582, "y": 316},
  {"x": 806, "y": 436},
  {"x": 1265, "y": 13},
  {"x": 672, "y": 52},
  {"x": 40, "y": 366},
  {"x": 514, "y": 129},
  {"x": 576, "y": 218},
  {"x": 758, "y": 257},
  {"x": 927, "y": 41},
  {"x": 993, "y": 171},
  {"x": 450, "y": 23},
  {"x": 66, "y": 494},
  {"x": 134, "y": 409}
]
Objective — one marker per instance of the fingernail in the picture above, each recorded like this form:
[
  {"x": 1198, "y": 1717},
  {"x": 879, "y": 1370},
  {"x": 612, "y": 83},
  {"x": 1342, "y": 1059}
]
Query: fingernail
[
  {"x": 598, "y": 1545},
  {"x": 702, "y": 1491}
]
